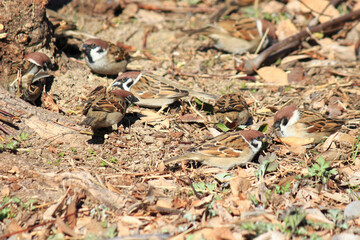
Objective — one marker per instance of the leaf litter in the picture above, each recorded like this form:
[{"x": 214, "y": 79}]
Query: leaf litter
[{"x": 120, "y": 188}]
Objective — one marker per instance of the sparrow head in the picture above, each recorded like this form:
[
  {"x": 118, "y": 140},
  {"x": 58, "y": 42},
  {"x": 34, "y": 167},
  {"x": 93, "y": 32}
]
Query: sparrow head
[
  {"x": 128, "y": 96},
  {"x": 254, "y": 138},
  {"x": 39, "y": 59},
  {"x": 127, "y": 80},
  {"x": 285, "y": 117},
  {"x": 94, "y": 49},
  {"x": 40, "y": 63}
]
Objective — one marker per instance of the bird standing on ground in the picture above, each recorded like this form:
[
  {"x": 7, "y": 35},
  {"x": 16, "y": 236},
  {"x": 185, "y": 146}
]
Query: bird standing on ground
[
  {"x": 155, "y": 91},
  {"x": 231, "y": 110},
  {"x": 106, "y": 108},
  {"x": 104, "y": 57},
  {"x": 27, "y": 79},
  {"x": 238, "y": 36},
  {"x": 226, "y": 150},
  {"x": 290, "y": 122}
]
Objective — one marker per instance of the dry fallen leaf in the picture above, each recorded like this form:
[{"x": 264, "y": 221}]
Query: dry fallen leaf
[
  {"x": 49, "y": 103},
  {"x": 317, "y": 7},
  {"x": 293, "y": 141},
  {"x": 191, "y": 118},
  {"x": 285, "y": 29},
  {"x": 297, "y": 145},
  {"x": 273, "y": 75}
]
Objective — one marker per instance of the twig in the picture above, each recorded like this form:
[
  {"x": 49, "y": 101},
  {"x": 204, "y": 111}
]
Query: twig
[
  {"x": 250, "y": 65},
  {"x": 157, "y": 7}
]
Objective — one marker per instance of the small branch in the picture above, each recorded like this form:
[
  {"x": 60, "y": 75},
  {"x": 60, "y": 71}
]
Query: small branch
[
  {"x": 250, "y": 65},
  {"x": 157, "y": 7}
]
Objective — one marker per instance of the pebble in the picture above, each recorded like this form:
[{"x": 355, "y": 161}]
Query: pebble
[
  {"x": 352, "y": 210},
  {"x": 149, "y": 139}
]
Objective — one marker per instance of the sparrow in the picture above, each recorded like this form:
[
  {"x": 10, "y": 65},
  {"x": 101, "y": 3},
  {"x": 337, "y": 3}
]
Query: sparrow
[
  {"x": 226, "y": 150},
  {"x": 231, "y": 110},
  {"x": 104, "y": 57},
  {"x": 238, "y": 36},
  {"x": 290, "y": 122},
  {"x": 27, "y": 79},
  {"x": 106, "y": 108},
  {"x": 155, "y": 91}
]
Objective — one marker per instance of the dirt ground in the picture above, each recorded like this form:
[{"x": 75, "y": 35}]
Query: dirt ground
[{"x": 72, "y": 185}]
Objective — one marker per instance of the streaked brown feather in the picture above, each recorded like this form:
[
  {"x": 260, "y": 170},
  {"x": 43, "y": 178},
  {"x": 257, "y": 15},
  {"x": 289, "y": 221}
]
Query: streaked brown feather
[
  {"x": 149, "y": 86},
  {"x": 230, "y": 102}
]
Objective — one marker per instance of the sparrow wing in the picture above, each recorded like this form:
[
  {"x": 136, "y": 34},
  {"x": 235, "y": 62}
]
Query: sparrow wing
[
  {"x": 245, "y": 28},
  {"x": 230, "y": 102},
  {"x": 150, "y": 86},
  {"x": 229, "y": 145},
  {"x": 316, "y": 123},
  {"x": 119, "y": 53},
  {"x": 92, "y": 97},
  {"x": 109, "y": 103}
]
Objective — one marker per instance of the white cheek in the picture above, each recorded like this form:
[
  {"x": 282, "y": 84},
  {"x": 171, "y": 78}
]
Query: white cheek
[
  {"x": 288, "y": 129},
  {"x": 259, "y": 145},
  {"x": 295, "y": 117},
  {"x": 96, "y": 55},
  {"x": 126, "y": 86}
]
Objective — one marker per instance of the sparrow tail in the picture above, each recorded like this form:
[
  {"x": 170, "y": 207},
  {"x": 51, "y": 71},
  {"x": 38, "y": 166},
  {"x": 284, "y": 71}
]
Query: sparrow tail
[
  {"x": 202, "y": 95},
  {"x": 186, "y": 156},
  {"x": 87, "y": 121},
  {"x": 204, "y": 30}
]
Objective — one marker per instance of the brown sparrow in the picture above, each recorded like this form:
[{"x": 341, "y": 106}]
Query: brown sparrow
[
  {"x": 27, "y": 81},
  {"x": 231, "y": 110},
  {"x": 238, "y": 36},
  {"x": 226, "y": 150},
  {"x": 106, "y": 108},
  {"x": 155, "y": 91},
  {"x": 290, "y": 122},
  {"x": 104, "y": 57}
]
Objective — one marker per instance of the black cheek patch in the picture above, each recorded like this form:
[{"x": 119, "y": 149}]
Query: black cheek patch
[
  {"x": 255, "y": 144},
  {"x": 88, "y": 55},
  {"x": 284, "y": 121}
]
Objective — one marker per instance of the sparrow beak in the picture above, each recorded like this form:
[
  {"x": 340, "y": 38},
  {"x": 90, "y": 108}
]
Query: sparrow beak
[
  {"x": 116, "y": 84},
  {"x": 134, "y": 99},
  {"x": 83, "y": 48}
]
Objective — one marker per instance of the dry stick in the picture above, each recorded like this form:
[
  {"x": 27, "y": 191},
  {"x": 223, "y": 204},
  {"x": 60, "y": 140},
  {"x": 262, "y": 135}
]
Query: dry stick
[
  {"x": 158, "y": 7},
  {"x": 250, "y": 65}
]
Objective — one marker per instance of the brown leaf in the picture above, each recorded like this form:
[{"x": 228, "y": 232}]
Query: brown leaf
[
  {"x": 273, "y": 75},
  {"x": 297, "y": 145},
  {"x": 12, "y": 227},
  {"x": 296, "y": 76},
  {"x": 49, "y": 103},
  {"x": 317, "y": 7},
  {"x": 164, "y": 203},
  {"x": 191, "y": 118},
  {"x": 285, "y": 29},
  {"x": 239, "y": 185},
  {"x": 63, "y": 228}
]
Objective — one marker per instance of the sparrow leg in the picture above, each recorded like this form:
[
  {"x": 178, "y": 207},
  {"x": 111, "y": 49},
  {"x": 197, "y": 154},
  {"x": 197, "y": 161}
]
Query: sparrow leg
[
  {"x": 114, "y": 127},
  {"x": 162, "y": 108}
]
